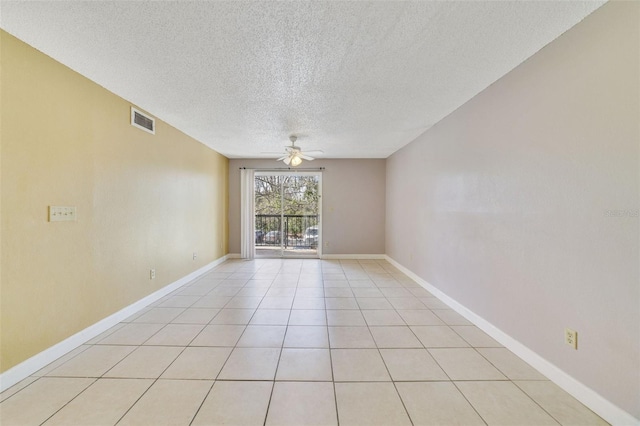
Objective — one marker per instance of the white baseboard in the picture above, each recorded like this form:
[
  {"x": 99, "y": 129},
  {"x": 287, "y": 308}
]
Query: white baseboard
[
  {"x": 353, "y": 256},
  {"x": 600, "y": 405},
  {"x": 42, "y": 359},
  {"x": 326, "y": 257}
]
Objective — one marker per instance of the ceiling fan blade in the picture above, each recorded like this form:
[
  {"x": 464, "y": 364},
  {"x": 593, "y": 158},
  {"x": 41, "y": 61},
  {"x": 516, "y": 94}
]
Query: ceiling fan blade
[
  {"x": 306, "y": 157},
  {"x": 282, "y": 158},
  {"x": 271, "y": 153}
]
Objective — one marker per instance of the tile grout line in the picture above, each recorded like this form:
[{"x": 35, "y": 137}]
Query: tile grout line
[
  {"x": 219, "y": 371},
  {"x": 440, "y": 366},
  {"x": 275, "y": 373},
  {"x": 435, "y": 360},
  {"x": 387, "y": 367},
  {"x": 158, "y": 378},
  {"x": 238, "y": 289},
  {"x": 333, "y": 377},
  {"x": 92, "y": 383},
  {"x": 535, "y": 402},
  {"x": 69, "y": 401}
]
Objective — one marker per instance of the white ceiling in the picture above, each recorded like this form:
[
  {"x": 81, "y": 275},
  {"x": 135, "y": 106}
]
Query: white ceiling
[{"x": 357, "y": 79}]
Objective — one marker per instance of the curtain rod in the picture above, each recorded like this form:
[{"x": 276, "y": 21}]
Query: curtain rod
[{"x": 284, "y": 168}]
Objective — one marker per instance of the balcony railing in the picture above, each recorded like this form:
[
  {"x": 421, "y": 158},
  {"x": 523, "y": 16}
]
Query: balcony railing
[{"x": 297, "y": 231}]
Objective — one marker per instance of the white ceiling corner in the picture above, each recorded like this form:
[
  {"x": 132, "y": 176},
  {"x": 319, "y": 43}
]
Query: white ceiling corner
[{"x": 355, "y": 79}]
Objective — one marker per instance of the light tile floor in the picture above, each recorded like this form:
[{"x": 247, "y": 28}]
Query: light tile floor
[{"x": 293, "y": 342}]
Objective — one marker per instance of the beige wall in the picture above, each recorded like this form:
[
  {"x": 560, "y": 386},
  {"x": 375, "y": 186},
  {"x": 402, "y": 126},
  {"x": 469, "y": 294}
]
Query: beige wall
[
  {"x": 505, "y": 204},
  {"x": 142, "y": 201},
  {"x": 353, "y": 204}
]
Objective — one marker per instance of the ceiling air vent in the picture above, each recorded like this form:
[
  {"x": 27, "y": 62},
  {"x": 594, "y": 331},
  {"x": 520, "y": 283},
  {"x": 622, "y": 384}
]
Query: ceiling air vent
[{"x": 143, "y": 121}]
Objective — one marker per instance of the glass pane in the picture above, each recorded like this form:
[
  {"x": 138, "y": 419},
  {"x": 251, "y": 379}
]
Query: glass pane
[
  {"x": 286, "y": 215},
  {"x": 268, "y": 208},
  {"x": 301, "y": 199}
]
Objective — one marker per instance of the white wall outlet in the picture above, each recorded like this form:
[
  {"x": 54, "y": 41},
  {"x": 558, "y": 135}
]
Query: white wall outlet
[
  {"x": 195, "y": 255},
  {"x": 62, "y": 213},
  {"x": 571, "y": 338},
  {"x": 152, "y": 274}
]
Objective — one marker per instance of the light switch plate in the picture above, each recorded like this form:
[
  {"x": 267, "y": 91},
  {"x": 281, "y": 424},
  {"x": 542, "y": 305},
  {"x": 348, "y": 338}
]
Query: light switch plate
[{"x": 62, "y": 213}]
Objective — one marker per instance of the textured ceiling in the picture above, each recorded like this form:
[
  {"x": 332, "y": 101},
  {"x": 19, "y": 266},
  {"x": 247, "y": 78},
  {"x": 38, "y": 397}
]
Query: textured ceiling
[{"x": 355, "y": 79}]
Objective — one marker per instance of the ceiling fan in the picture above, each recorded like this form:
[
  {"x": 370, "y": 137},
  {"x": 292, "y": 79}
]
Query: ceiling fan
[{"x": 293, "y": 154}]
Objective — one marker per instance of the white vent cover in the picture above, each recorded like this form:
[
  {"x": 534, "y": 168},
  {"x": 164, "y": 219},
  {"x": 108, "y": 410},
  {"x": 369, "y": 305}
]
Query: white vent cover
[{"x": 143, "y": 121}]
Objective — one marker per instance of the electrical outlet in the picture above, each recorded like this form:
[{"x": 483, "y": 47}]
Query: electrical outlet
[
  {"x": 195, "y": 255},
  {"x": 152, "y": 274},
  {"x": 571, "y": 338}
]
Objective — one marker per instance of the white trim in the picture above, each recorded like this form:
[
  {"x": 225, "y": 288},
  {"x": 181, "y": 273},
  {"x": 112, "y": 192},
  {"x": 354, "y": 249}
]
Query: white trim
[
  {"x": 324, "y": 257},
  {"x": 354, "y": 256},
  {"x": 320, "y": 215},
  {"x": 292, "y": 172},
  {"x": 44, "y": 358},
  {"x": 596, "y": 402}
]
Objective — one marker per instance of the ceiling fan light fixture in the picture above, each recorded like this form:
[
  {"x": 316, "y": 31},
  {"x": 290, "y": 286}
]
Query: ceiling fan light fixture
[
  {"x": 293, "y": 155},
  {"x": 295, "y": 160}
]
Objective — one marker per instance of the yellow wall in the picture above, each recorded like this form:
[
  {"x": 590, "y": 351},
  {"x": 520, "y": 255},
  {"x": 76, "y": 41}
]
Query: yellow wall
[{"x": 143, "y": 201}]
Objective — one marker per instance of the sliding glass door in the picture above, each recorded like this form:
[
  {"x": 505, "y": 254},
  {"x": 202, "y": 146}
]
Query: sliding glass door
[{"x": 287, "y": 214}]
